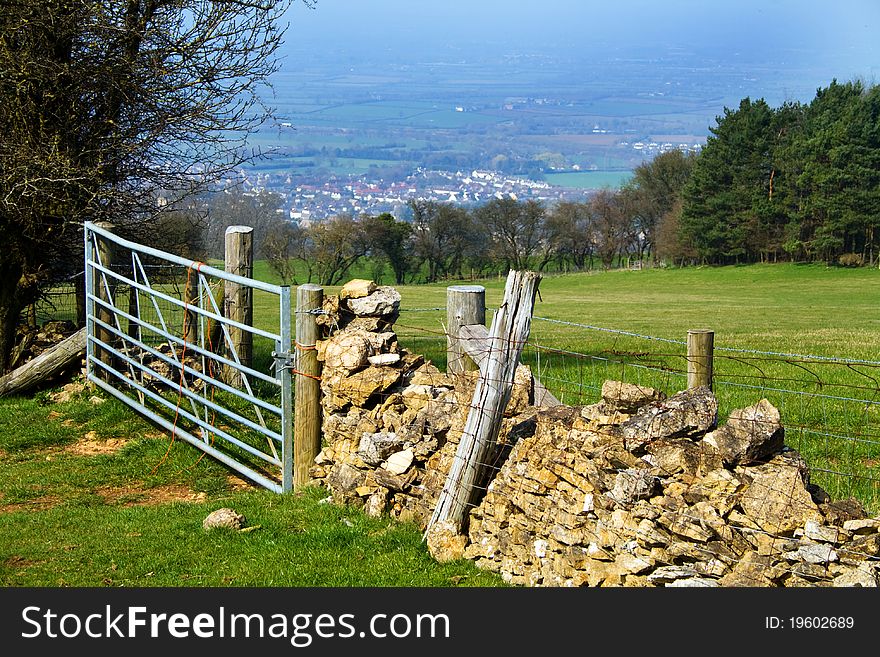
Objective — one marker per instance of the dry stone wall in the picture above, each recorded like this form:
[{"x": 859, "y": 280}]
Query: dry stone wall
[{"x": 636, "y": 490}]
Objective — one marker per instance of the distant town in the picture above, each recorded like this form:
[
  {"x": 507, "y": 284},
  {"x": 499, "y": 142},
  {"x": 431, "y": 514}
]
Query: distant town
[{"x": 309, "y": 198}]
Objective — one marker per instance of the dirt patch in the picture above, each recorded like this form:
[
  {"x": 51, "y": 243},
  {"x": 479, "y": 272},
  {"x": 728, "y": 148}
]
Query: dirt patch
[
  {"x": 237, "y": 484},
  {"x": 135, "y": 495},
  {"x": 18, "y": 562},
  {"x": 91, "y": 445},
  {"x": 36, "y": 504}
]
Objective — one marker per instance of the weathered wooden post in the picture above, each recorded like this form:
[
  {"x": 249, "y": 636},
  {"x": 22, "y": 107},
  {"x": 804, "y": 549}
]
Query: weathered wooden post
[
  {"x": 465, "y": 306},
  {"x": 700, "y": 348},
  {"x": 307, "y": 391},
  {"x": 134, "y": 329},
  {"x": 507, "y": 336},
  {"x": 104, "y": 288},
  {"x": 191, "y": 298},
  {"x": 238, "y": 299}
]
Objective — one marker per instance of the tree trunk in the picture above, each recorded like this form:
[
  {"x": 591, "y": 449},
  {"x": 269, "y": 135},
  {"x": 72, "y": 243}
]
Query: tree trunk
[
  {"x": 45, "y": 366},
  {"x": 10, "y": 310}
]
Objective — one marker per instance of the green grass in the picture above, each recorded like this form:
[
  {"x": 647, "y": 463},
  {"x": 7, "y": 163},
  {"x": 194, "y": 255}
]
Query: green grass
[
  {"x": 133, "y": 517},
  {"x": 59, "y": 524},
  {"x": 831, "y": 410}
]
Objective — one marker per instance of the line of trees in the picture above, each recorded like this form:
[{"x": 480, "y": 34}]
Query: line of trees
[
  {"x": 798, "y": 182},
  {"x": 444, "y": 240}
]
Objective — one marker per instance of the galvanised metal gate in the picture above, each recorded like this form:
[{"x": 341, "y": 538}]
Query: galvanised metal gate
[{"x": 160, "y": 341}]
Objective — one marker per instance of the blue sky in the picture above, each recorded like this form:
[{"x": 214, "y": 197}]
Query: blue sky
[{"x": 843, "y": 30}]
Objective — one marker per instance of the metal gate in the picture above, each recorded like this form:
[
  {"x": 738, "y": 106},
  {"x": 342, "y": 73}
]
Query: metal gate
[{"x": 160, "y": 340}]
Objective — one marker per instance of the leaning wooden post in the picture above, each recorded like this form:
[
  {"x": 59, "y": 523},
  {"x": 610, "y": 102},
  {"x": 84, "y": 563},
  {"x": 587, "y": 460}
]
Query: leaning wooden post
[
  {"x": 307, "y": 391},
  {"x": 465, "y": 306},
  {"x": 238, "y": 299},
  {"x": 507, "y": 337},
  {"x": 700, "y": 348},
  {"x": 104, "y": 288}
]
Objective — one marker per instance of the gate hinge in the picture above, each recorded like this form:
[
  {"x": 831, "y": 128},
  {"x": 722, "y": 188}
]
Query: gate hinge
[{"x": 284, "y": 358}]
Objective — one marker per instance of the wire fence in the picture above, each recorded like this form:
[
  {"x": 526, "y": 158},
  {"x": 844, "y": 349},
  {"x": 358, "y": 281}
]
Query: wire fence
[{"x": 830, "y": 406}]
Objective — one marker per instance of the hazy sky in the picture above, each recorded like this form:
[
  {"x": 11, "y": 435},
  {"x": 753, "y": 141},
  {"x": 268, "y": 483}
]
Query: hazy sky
[{"x": 842, "y": 31}]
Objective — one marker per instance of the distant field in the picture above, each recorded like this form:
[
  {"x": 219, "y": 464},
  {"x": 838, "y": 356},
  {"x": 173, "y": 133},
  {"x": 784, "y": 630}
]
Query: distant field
[{"x": 589, "y": 179}]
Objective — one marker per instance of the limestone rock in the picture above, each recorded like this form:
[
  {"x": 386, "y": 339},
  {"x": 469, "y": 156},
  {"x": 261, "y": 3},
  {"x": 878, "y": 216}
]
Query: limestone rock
[
  {"x": 863, "y": 526},
  {"x": 357, "y": 288},
  {"x": 345, "y": 351},
  {"x": 383, "y": 359},
  {"x": 374, "y": 448},
  {"x": 750, "y": 435},
  {"x": 224, "y": 518},
  {"x": 824, "y": 533},
  {"x": 813, "y": 553},
  {"x": 632, "y": 484},
  {"x": 399, "y": 462},
  {"x": 343, "y": 480},
  {"x": 628, "y": 398},
  {"x": 777, "y": 499},
  {"x": 361, "y": 386},
  {"x": 445, "y": 543},
  {"x": 666, "y": 574},
  {"x": 864, "y": 576},
  {"x": 382, "y": 302},
  {"x": 687, "y": 414},
  {"x": 695, "y": 582},
  {"x": 376, "y": 503}
]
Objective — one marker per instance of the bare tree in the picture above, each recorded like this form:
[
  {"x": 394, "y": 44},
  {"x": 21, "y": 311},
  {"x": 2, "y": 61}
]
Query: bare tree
[
  {"x": 336, "y": 245},
  {"x": 571, "y": 233},
  {"x": 516, "y": 230},
  {"x": 611, "y": 224},
  {"x": 106, "y": 106},
  {"x": 283, "y": 242},
  {"x": 444, "y": 236}
]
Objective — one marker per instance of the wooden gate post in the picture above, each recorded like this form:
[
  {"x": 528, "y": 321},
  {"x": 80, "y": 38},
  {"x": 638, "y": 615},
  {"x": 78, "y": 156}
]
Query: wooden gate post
[
  {"x": 191, "y": 298},
  {"x": 307, "y": 391},
  {"x": 238, "y": 299},
  {"x": 700, "y": 348},
  {"x": 465, "y": 306}
]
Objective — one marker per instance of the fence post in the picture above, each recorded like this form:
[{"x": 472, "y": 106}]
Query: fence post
[
  {"x": 238, "y": 299},
  {"x": 307, "y": 395},
  {"x": 508, "y": 334},
  {"x": 465, "y": 305},
  {"x": 191, "y": 298},
  {"x": 104, "y": 288},
  {"x": 700, "y": 347}
]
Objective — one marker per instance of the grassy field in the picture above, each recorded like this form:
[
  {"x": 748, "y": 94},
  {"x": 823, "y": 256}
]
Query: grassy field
[
  {"x": 89, "y": 496},
  {"x": 777, "y": 330},
  {"x": 92, "y": 496},
  {"x": 589, "y": 179}
]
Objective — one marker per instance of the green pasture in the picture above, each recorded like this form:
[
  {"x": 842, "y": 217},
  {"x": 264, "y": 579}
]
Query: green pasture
[
  {"x": 74, "y": 518},
  {"x": 798, "y": 317}
]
